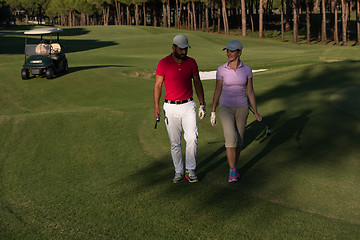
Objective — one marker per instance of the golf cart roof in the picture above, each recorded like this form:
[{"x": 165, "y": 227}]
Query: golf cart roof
[{"x": 40, "y": 31}]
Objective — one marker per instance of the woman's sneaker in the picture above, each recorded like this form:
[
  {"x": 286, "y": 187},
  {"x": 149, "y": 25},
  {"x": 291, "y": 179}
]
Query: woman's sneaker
[
  {"x": 178, "y": 177},
  {"x": 190, "y": 176},
  {"x": 233, "y": 175}
]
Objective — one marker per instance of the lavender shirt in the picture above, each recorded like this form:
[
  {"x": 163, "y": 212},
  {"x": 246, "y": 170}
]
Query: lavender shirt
[{"x": 234, "y": 84}]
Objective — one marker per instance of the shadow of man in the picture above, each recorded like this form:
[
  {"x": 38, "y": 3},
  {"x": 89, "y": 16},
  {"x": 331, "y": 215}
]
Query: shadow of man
[{"x": 292, "y": 128}]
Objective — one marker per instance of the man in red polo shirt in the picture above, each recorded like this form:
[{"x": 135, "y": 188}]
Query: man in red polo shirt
[{"x": 178, "y": 71}]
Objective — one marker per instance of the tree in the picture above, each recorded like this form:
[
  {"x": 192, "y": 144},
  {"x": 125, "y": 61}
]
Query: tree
[
  {"x": 164, "y": 14},
  {"x": 119, "y": 12},
  {"x": 168, "y": 13},
  {"x": 358, "y": 21},
  {"x": 29, "y": 8},
  {"x": 207, "y": 4},
  {"x": 225, "y": 18},
  {"x": 344, "y": 22},
  {"x": 194, "y": 14},
  {"x": 261, "y": 18},
  {"x": 5, "y": 12},
  {"x": 336, "y": 31},
  {"x": 243, "y": 18},
  {"x": 295, "y": 22},
  {"x": 282, "y": 21},
  {"x": 86, "y": 9},
  {"x": 144, "y": 11},
  {"x": 323, "y": 23},
  {"x": 308, "y": 23}
]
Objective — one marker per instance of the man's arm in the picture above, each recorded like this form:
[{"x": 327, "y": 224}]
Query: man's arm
[
  {"x": 200, "y": 94},
  {"x": 157, "y": 94},
  {"x": 199, "y": 88}
]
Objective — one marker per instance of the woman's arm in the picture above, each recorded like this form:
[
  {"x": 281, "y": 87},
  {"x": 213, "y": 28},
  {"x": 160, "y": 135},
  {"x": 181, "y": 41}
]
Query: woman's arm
[{"x": 251, "y": 95}]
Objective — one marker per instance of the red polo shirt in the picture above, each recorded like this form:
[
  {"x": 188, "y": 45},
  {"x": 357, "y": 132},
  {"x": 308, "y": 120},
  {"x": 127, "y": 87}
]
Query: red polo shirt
[{"x": 177, "y": 77}]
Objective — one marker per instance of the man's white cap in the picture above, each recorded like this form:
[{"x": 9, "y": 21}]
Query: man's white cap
[
  {"x": 181, "y": 41},
  {"x": 234, "y": 45}
]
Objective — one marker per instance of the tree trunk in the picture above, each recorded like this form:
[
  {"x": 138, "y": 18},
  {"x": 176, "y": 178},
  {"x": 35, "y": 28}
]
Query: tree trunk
[
  {"x": 323, "y": 24},
  {"x": 336, "y": 31},
  {"x": 189, "y": 17},
  {"x": 194, "y": 14},
  {"x": 144, "y": 11},
  {"x": 219, "y": 20},
  {"x": 154, "y": 17},
  {"x": 207, "y": 18},
  {"x": 177, "y": 17},
  {"x": 70, "y": 19},
  {"x": 225, "y": 18},
  {"x": 180, "y": 12},
  {"x": 128, "y": 17},
  {"x": 358, "y": 20},
  {"x": 168, "y": 13},
  {"x": 136, "y": 15},
  {"x": 295, "y": 22},
  {"x": 308, "y": 23},
  {"x": 164, "y": 15},
  {"x": 348, "y": 7},
  {"x": 282, "y": 21},
  {"x": 117, "y": 9},
  {"x": 200, "y": 13},
  {"x": 243, "y": 18},
  {"x": 106, "y": 10},
  {"x": 82, "y": 19},
  {"x": 316, "y": 6},
  {"x": 344, "y": 22},
  {"x": 261, "y": 18},
  {"x": 251, "y": 15}
]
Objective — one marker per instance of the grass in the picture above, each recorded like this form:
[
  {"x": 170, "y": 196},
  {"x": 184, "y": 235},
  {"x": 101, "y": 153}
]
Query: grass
[{"x": 80, "y": 158}]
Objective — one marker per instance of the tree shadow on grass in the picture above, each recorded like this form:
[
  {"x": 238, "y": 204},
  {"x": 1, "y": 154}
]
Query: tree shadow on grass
[
  {"x": 14, "y": 42},
  {"x": 305, "y": 99},
  {"x": 254, "y": 132},
  {"x": 292, "y": 128}
]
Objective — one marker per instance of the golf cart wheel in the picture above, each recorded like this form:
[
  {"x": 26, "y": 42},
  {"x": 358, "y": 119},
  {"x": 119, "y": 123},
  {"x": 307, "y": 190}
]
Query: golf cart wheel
[
  {"x": 24, "y": 74},
  {"x": 49, "y": 73}
]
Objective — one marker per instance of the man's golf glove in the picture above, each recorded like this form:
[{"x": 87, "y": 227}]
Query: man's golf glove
[
  {"x": 202, "y": 111},
  {"x": 213, "y": 118}
]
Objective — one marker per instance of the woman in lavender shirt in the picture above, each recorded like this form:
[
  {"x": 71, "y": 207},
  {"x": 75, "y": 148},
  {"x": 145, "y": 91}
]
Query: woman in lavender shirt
[{"x": 234, "y": 83}]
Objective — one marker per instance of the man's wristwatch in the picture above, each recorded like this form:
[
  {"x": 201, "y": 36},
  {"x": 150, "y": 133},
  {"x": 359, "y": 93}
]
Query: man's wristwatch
[{"x": 203, "y": 104}]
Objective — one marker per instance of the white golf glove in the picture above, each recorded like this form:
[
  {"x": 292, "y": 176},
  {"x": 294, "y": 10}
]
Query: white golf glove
[
  {"x": 213, "y": 118},
  {"x": 202, "y": 111}
]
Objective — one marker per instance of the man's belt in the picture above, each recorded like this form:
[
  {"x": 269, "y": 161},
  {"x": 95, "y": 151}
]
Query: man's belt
[{"x": 179, "y": 102}]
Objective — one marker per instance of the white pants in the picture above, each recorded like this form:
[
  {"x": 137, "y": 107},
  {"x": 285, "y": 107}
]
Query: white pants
[{"x": 177, "y": 118}]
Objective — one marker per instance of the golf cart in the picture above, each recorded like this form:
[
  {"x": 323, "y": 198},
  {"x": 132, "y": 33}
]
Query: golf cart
[{"x": 44, "y": 58}]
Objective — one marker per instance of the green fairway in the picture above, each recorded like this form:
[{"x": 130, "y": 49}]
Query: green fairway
[{"x": 80, "y": 158}]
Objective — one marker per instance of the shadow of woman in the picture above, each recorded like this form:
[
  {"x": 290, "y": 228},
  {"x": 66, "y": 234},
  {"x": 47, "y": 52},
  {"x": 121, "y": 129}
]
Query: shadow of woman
[
  {"x": 254, "y": 132},
  {"x": 292, "y": 128}
]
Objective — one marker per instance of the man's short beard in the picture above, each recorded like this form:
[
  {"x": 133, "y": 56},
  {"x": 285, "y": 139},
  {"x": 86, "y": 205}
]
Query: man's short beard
[{"x": 180, "y": 56}]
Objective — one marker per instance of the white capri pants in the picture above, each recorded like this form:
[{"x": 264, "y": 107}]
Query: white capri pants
[
  {"x": 233, "y": 120},
  {"x": 180, "y": 117}
]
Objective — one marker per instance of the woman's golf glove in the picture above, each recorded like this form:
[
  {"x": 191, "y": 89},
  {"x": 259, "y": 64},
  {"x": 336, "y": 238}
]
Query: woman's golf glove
[
  {"x": 202, "y": 111},
  {"x": 213, "y": 118}
]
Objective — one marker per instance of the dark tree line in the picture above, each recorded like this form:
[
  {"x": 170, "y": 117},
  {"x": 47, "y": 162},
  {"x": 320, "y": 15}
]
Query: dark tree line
[{"x": 331, "y": 17}]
